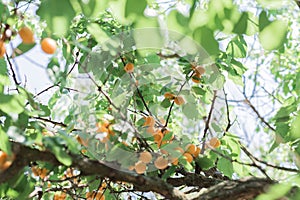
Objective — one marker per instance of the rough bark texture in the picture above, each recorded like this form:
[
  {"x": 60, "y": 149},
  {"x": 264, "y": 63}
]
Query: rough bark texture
[
  {"x": 238, "y": 190},
  {"x": 217, "y": 189}
]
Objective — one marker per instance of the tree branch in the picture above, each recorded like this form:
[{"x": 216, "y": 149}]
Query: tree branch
[
  {"x": 245, "y": 189},
  {"x": 25, "y": 155}
]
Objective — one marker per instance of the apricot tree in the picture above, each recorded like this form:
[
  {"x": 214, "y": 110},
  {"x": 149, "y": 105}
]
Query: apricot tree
[{"x": 180, "y": 99}]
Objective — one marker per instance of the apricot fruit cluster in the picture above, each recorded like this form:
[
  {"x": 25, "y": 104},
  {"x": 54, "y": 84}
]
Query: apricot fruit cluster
[
  {"x": 179, "y": 100},
  {"x": 198, "y": 72},
  {"x": 48, "y": 45}
]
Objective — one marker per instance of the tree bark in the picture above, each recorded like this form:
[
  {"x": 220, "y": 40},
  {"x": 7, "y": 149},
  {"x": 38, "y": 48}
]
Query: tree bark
[{"x": 217, "y": 189}]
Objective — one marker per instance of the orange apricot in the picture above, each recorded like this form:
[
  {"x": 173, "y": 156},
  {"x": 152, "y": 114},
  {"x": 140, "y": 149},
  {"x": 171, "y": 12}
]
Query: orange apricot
[
  {"x": 161, "y": 162},
  {"x": 179, "y": 100},
  {"x": 3, "y": 157},
  {"x": 49, "y": 45},
  {"x": 131, "y": 167},
  {"x": 2, "y": 49},
  {"x": 150, "y": 121},
  {"x": 214, "y": 142},
  {"x": 191, "y": 148},
  {"x": 174, "y": 161},
  {"x": 200, "y": 70},
  {"x": 140, "y": 167},
  {"x": 196, "y": 79},
  {"x": 5, "y": 160},
  {"x": 197, "y": 152},
  {"x": 27, "y": 35},
  {"x": 129, "y": 67},
  {"x": 145, "y": 157},
  {"x": 188, "y": 157},
  {"x": 158, "y": 136},
  {"x": 169, "y": 95}
]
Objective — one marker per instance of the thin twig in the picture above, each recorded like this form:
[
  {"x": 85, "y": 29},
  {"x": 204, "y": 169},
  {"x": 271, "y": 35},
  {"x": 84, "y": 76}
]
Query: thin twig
[
  {"x": 13, "y": 71},
  {"x": 227, "y": 113},
  {"x": 208, "y": 121}
]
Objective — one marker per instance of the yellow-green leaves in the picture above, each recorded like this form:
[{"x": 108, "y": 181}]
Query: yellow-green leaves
[{"x": 272, "y": 35}]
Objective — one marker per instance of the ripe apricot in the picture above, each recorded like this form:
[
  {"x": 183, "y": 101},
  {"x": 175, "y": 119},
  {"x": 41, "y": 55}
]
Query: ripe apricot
[
  {"x": 197, "y": 152},
  {"x": 6, "y": 165},
  {"x": 2, "y": 48},
  {"x": 188, "y": 157},
  {"x": 174, "y": 161},
  {"x": 150, "y": 121},
  {"x": 3, "y": 157},
  {"x": 169, "y": 95},
  {"x": 27, "y": 35},
  {"x": 200, "y": 69},
  {"x": 179, "y": 100},
  {"x": 196, "y": 79},
  {"x": 191, "y": 148},
  {"x": 131, "y": 167},
  {"x": 5, "y": 160},
  {"x": 161, "y": 162},
  {"x": 145, "y": 157},
  {"x": 140, "y": 167},
  {"x": 49, "y": 45},
  {"x": 158, "y": 136},
  {"x": 214, "y": 142},
  {"x": 129, "y": 67}
]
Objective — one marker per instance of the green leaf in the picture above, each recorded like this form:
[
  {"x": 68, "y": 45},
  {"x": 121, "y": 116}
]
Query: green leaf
[
  {"x": 4, "y": 79},
  {"x": 205, "y": 37},
  {"x": 237, "y": 47},
  {"x": 205, "y": 163},
  {"x": 169, "y": 172},
  {"x": 58, "y": 15},
  {"x": 225, "y": 166},
  {"x": 241, "y": 26},
  {"x": 273, "y": 36},
  {"x": 135, "y": 7},
  {"x": 97, "y": 32},
  {"x": 23, "y": 48},
  {"x": 11, "y": 103},
  {"x": 166, "y": 103},
  {"x": 58, "y": 150},
  {"x": 263, "y": 20},
  {"x": 4, "y": 142},
  {"x": 295, "y": 128},
  {"x": 275, "y": 191},
  {"x": 190, "y": 111},
  {"x": 92, "y": 7},
  {"x": 198, "y": 90}
]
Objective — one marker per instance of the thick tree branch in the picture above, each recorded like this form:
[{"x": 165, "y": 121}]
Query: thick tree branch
[
  {"x": 237, "y": 190},
  {"x": 26, "y": 155}
]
